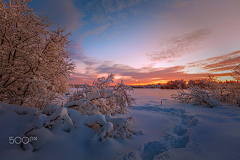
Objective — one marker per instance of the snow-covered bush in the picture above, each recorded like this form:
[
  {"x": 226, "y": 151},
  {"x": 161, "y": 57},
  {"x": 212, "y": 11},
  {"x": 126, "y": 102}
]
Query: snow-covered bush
[
  {"x": 102, "y": 98},
  {"x": 229, "y": 92},
  {"x": 197, "y": 96},
  {"x": 32, "y": 55},
  {"x": 236, "y": 89},
  {"x": 54, "y": 118},
  {"x": 97, "y": 102},
  {"x": 109, "y": 127},
  {"x": 205, "y": 94},
  {"x": 209, "y": 93},
  {"x": 91, "y": 107},
  {"x": 236, "y": 73}
]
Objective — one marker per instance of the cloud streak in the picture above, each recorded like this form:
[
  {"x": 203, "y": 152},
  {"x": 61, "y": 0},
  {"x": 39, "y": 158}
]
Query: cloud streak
[
  {"x": 222, "y": 63},
  {"x": 117, "y": 5},
  {"x": 179, "y": 4},
  {"x": 149, "y": 74},
  {"x": 77, "y": 54},
  {"x": 179, "y": 46},
  {"x": 219, "y": 66},
  {"x": 97, "y": 30}
]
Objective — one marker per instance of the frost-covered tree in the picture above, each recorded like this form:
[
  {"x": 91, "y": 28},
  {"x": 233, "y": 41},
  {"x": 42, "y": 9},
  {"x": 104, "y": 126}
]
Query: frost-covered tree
[
  {"x": 236, "y": 73},
  {"x": 34, "y": 62},
  {"x": 197, "y": 96},
  {"x": 200, "y": 92},
  {"x": 236, "y": 87},
  {"x": 102, "y": 98},
  {"x": 208, "y": 92}
]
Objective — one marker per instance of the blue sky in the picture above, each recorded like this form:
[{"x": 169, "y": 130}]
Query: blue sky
[{"x": 148, "y": 41}]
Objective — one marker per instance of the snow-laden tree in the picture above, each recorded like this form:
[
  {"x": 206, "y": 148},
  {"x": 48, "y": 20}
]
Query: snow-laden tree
[
  {"x": 209, "y": 93},
  {"x": 197, "y": 96},
  {"x": 236, "y": 88},
  {"x": 97, "y": 102},
  {"x": 102, "y": 98},
  {"x": 205, "y": 94},
  {"x": 236, "y": 73},
  {"x": 34, "y": 62}
]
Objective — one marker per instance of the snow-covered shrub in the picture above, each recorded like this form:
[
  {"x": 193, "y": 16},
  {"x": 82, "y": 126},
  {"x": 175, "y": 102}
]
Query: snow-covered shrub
[
  {"x": 91, "y": 107},
  {"x": 205, "y": 94},
  {"x": 102, "y": 98},
  {"x": 30, "y": 53},
  {"x": 235, "y": 88},
  {"x": 228, "y": 92},
  {"x": 236, "y": 73},
  {"x": 209, "y": 93},
  {"x": 55, "y": 118},
  {"x": 197, "y": 96},
  {"x": 109, "y": 127}
]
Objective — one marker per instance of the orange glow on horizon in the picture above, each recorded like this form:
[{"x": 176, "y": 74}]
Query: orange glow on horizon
[{"x": 219, "y": 79}]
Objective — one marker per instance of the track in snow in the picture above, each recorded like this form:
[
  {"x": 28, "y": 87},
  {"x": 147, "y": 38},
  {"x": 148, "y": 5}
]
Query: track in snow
[{"x": 178, "y": 138}]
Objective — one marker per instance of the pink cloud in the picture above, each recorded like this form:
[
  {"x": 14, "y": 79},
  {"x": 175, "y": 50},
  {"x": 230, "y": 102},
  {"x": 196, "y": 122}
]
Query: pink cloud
[
  {"x": 223, "y": 64},
  {"x": 179, "y": 46},
  {"x": 219, "y": 63}
]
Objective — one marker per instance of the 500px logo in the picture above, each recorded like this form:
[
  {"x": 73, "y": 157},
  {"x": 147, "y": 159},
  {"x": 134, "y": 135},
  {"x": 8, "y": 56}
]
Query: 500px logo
[{"x": 24, "y": 140}]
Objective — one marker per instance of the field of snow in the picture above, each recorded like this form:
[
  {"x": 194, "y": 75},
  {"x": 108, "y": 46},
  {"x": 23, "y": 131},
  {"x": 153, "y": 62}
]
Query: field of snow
[{"x": 171, "y": 131}]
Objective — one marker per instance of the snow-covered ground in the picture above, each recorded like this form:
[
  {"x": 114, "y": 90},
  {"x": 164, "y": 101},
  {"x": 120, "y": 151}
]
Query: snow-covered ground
[{"x": 171, "y": 131}]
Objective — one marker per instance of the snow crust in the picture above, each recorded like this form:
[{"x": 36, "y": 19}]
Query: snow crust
[{"x": 170, "y": 131}]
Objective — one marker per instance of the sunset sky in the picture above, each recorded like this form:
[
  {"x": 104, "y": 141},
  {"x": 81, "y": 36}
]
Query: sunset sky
[{"x": 148, "y": 41}]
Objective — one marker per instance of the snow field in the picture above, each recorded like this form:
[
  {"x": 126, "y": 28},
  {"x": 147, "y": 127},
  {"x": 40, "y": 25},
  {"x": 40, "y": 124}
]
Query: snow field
[{"x": 171, "y": 131}]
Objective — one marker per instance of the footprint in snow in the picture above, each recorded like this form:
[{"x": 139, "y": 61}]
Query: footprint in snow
[{"x": 179, "y": 138}]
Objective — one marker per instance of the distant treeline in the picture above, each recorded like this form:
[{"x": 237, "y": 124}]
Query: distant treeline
[{"x": 173, "y": 84}]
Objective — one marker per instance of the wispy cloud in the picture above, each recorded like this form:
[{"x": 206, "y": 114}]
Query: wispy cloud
[
  {"x": 149, "y": 74},
  {"x": 101, "y": 18},
  {"x": 108, "y": 5},
  {"x": 179, "y": 46},
  {"x": 219, "y": 64},
  {"x": 179, "y": 4},
  {"x": 223, "y": 63},
  {"x": 96, "y": 30},
  {"x": 146, "y": 74},
  {"x": 120, "y": 4},
  {"x": 117, "y": 5},
  {"x": 63, "y": 12},
  {"x": 81, "y": 78},
  {"x": 77, "y": 54}
]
